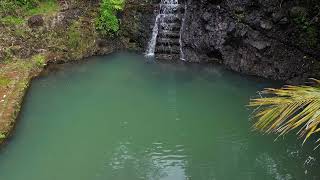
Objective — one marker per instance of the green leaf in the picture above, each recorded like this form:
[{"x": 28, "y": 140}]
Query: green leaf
[{"x": 107, "y": 22}]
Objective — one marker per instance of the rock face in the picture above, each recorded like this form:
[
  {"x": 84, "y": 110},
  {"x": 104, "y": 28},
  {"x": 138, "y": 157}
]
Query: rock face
[
  {"x": 267, "y": 38},
  {"x": 137, "y": 21},
  {"x": 256, "y": 37}
]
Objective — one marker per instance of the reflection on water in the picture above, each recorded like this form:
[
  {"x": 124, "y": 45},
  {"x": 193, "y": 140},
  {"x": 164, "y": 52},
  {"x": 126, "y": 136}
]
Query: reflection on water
[{"x": 122, "y": 117}]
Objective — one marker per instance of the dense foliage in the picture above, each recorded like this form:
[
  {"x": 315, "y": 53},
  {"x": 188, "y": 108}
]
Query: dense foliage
[
  {"x": 107, "y": 22},
  {"x": 28, "y": 3},
  {"x": 309, "y": 23}
]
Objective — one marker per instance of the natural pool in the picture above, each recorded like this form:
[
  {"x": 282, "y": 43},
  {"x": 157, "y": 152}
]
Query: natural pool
[{"x": 122, "y": 117}]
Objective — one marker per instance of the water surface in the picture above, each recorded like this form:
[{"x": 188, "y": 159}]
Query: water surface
[{"x": 122, "y": 117}]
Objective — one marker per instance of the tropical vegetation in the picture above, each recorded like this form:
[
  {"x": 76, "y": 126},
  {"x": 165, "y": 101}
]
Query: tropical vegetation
[
  {"x": 107, "y": 22},
  {"x": 287, "y": 109}
]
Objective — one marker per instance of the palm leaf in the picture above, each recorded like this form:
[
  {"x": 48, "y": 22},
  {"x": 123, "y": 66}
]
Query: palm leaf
[{"x": 282, "y": 110}]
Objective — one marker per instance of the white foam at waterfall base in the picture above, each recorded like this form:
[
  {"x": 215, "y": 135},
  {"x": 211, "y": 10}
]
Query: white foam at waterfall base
[{"x": 166, "y": 8}]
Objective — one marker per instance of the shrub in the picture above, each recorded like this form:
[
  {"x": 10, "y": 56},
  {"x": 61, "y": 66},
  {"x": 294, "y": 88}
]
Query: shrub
[
  {"x": 4, "y": 81},
  {"x": 2, "y": 136},
  {"x": 27, "y": 7},
  {"x": 44, "y": 7},
  {"x": 39, "y": 60},
  {"x": 12, "y": 20},
  {"x": 27, "y": 3},
  {"x": 309, "y": 32},
  {"x": 74, "y": 36},
  {"x": 107, "y": 22},
  {"x": 11, "y": 6},
  {"x": 8, "y": 7}
]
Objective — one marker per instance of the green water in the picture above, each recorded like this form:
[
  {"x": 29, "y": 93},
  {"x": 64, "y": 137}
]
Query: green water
[{"x": 122, "y": 117}]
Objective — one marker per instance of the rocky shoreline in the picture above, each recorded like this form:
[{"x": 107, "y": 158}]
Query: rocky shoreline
[{"x": 53, "y": 38}]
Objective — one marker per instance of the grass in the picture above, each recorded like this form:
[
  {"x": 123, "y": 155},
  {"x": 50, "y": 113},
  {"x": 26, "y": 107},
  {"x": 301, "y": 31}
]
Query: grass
[
  {"x": 39, "y": 60},
  {"x": 74, "y": 36},
  {"x": 19, "y": 72},
  {"x": 4, "y": 81},
  {"x": 12, "y": 20},
  {"x": 48, "y": 7},
  {"x": 58, "y": 43},
  {"x": 20, "y": 32}
]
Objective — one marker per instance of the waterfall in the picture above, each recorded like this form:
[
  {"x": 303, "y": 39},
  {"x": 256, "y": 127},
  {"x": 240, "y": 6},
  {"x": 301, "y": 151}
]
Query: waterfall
[
  {"x": 153, "y": 41},
  {"x": 166, "y": 33},
  {"x": 182, "y": 57}
]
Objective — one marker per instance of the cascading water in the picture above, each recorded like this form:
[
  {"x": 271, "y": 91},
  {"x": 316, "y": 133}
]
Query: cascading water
[
  {"x": 182, "y": 56},
  {"x": 153, "y": 41},
  {"x": 166, "y": 35}
]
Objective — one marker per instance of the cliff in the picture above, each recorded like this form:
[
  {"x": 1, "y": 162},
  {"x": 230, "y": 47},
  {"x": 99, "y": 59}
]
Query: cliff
[{"x": 272, "y": 39}]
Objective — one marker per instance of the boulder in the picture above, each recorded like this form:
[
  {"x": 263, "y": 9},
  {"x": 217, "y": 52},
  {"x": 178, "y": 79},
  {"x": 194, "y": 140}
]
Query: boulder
[
  {"x": 35, "y": 21},
  {"x": 266, "y": 25}
]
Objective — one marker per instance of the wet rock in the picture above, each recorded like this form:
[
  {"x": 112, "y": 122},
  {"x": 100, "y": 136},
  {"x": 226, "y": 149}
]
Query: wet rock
[
  {"x": 239, "y": 9},
  {"x": 266, "y": 25},
  {"x": 231, "y": 27},
  {"x": 137, "y": 22},
  {"x": 206, "y": 16},
  {"x": 248, "y": 36},
  {"x": 260, "y": 45},
  {"x": 102, "y": 43},
  {"x": 284, "y": 21},
  {"x": 35, "y": 21},
  {"x": 277, "y": 16}
]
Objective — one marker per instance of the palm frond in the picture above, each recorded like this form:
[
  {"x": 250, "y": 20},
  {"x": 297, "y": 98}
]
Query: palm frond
[{"x": 283, "y": 110}]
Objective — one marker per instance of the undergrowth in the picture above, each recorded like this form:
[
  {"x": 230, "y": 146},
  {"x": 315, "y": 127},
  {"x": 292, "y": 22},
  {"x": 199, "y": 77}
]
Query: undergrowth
[
  {"x": 107, "y": 22},
  {"x": 309, "y": 32},
  {"x": 4, "y": 81},
  {"x": 74, "y": 35},
  {"x": 15, "y": 12},
  {"x": 39, "y": 60},
  {"x": 2, "y": 136}
]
